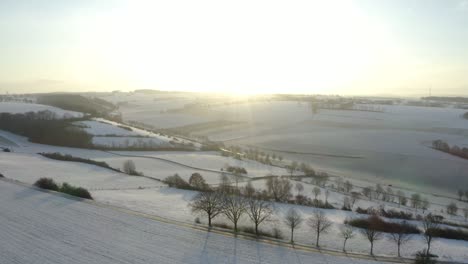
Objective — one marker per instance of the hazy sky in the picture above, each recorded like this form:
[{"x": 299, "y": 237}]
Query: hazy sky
[{"x": 332, "y": 47}]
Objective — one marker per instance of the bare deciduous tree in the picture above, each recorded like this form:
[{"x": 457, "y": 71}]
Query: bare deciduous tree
[
  {"x": 400, "y": 235},
  {"x": 129, "y": 167},
  {"x": 316, "y": 191},
  {"x": 372, "y": 233},
  {"x": 430, "y": 225},
  {"x": 346, "y": 232},
  {"x": 279, "y": 189},
  {"x": 197, "y": 181},
  {"x": 249, "y": 190},
  {"x": 209, "y": 203},
  {"x": 348, "y": 186},
  {"x": 259, "y": 211},
  {"x": 234, "y": 207},
  {"x": 293, "y": 220},
  {"x": 299, "y": 188},
  {"x": 320, "y": 224},
  {"x": 452, "y": 209}
]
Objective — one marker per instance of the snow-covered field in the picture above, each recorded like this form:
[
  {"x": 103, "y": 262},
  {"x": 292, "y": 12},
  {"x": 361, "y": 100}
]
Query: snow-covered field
[
  {"x": 388, "y": 148},
  {"x": 53, "y": 229},
  {"x": 21, "y": 108},
  {"x": 172, "y": 203},
  {"x": 392, "y": 145}
]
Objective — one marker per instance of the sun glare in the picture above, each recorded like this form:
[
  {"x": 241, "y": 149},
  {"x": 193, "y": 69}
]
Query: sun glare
[{"x": 236, "y": 51}]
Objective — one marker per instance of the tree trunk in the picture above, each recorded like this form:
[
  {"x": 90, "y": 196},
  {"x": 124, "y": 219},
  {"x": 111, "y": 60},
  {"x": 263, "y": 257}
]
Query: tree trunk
[
  {"x": 344, "y": 245},
  {"x": 399, "y": 249},
  {"x": 428, "y": 248},
  {"x": 372, "y": 248},
  {"x": 235, "y": 226},
  {"x": 292, "y": 235},
  {"x": 209, "y": 220},
  {"x": 317, "y": 242},
  {"x": 256, "y": 229}
]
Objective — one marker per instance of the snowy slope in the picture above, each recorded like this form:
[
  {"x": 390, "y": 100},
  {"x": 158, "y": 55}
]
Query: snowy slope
[
  {"x": 20, "y": 108},
  {"x": 39, "y": 227}
]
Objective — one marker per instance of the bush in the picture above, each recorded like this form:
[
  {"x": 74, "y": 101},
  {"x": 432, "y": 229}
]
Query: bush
[
  {"x": 449, "y": 233},
  {"x": 46, "y": 183},
  {"x": 59, "y": 156},
  {"x": 75, "y": 191},
  {"x": 381, "y": 225},
  {"x": 422, "y": 258},
  {"x": 251, "y": 230},
  {"x": 49, "y": 184},
  {"x": 277, "y": 233},
  {"x": 177, "y": 182},
  {"x": 222, "y": 225},
  {"x": 197, "y": 220},
  {"x": 1, "y": 176}
]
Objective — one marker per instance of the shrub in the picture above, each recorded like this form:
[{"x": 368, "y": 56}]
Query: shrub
[
  {"x": 177, "y": 182},
  {"x": 197, "y": 220},
  {"x": 381, "y": 225},
  {"x": 251, "y": 230},
  {"x": 59, "y": 156},
  {"x": 1, "y": 176},
  {"x": 75, "y": 191},
  {"x": 422, "y": 258},
  {"x": 450, "y": 233},
  {"x": 222, "y": 225},
  {"x": 277, "y": 233},
  {"x": 46, "y": 183}
]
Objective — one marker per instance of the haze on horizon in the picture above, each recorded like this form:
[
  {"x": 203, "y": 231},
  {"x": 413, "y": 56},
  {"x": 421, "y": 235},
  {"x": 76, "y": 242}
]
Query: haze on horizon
[{"x": 328, "y": 47}]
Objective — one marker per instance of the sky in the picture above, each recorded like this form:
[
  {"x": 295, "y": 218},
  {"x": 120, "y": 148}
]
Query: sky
[{"x": 346, "y": 47}]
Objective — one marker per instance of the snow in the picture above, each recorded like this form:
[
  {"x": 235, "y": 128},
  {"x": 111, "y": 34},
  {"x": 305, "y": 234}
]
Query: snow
[
  {"x": 38, "y": 227},
  {"x": 112, "y": 134},
  {"x": 21, "y": 108},
  {"x": 29, "y": 168},
  {"x": 173, "y": 204}
]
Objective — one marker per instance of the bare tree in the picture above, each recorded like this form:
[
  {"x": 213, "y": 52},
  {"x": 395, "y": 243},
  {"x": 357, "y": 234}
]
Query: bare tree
[
  {"x": 367, "y": 192},
  {"x": 316, "y": 191},
  {"x": 348, "y": 186},
  {"x": 292, "y": 167},
  {"x": 460, "y": 194},
  {"x": 129, "y": 167},
  {"x": 234, "y": 207},
  {"x": 299, "y": 188},
  {"x": 416, "y": 200},
  {"x": 402, "y": 200},
  {"x": 430, "y": 225},
  {"x": 354, "y": 198},
  {"x": 327, "y": 194},
  {"x": 372, "y": 233},
  {"x": 293, "y": 220},
  {"x": 346, "y": 232},
  {"x": 279, "y": 189},
  {"x": 209, "y": 203},
  {"x": 197, "y": 181},
  {"x": 400, "y": 235},
  {"x": 259, "y": 211},
  {"x": 452, "y": 209},
  {"x": 425, "y": 204},
  {"x": 224, "y": 184},
  {"x": 319, "y": 224},
  {"x": 249, "y": 190}
]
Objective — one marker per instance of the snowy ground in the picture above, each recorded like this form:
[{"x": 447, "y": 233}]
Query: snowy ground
[
  {"x": 172, "y": 203},
  {"x": 42, "y": 228},
  {"x": 393, "y": 145}
]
